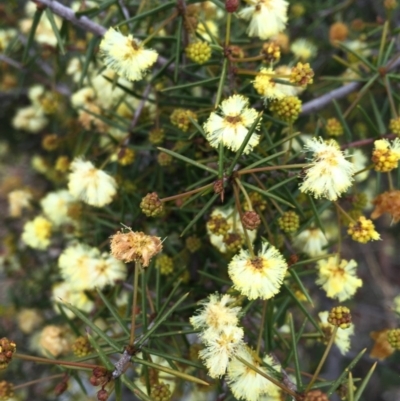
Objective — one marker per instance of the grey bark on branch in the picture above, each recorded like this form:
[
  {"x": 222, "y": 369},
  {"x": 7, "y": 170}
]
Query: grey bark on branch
[
  {"x": 308, "y": 107},
  {"x": 83, "y": 22}
]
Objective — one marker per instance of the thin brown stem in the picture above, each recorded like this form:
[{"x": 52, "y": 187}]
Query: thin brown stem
[
  {"x": 138, "y": 267},
  {"x": 323, "y": 359},
  {"x": 271, "y": 168},
  {"x": 390, "y": 97},
  {"x": 183, "y": 195},
  {"x": 41, "y": 380},
  {"x": 54, "y": 362},
  {"x": 161, "y": 26},
  {"x": 239, "y": 209},
  {"x": 246, "y": 59},
  {"x": 341, "y": 210}
]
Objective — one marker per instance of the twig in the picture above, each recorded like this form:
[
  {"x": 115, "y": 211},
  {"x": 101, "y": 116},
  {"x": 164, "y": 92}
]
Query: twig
[
  {"x": 85, "y": 23},
  {"x": 322, "y": 101},
  {"x": 69, "y": 14},
  {"x": 140, "y": 108}
]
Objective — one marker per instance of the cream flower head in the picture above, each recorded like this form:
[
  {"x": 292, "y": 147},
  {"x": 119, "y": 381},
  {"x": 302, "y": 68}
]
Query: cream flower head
[
  {"x": 246, "y": 383},
  {"x": 266, "y": 87},
  {"x": 125, "y": 55},
  {"x": 231, "y": 128},
  {"x": 342, "y": 338},
  {"x": 329, "y": 173},
  {"x": 65, "y": 293},
  {"x": 216, "y": 313},
  {"x": 303, "y": 49},
  {"x": 311, "y": 241},
  {"x": 338, "y": 278},
  {"x": 233, "y": 226},
  {"x": 56, "y": 205},
  {"x": 93, "y": 186},
  {"x": 37, "y": 233},
  {"x": 77, "y": 264},
  {"x": 258, "y": 277},
  {"x": 267, "y": 17},
  {"x": 18, "y": 200},
  {"x": 30, "y": 119},
  {"x": 220, "y": 348}
]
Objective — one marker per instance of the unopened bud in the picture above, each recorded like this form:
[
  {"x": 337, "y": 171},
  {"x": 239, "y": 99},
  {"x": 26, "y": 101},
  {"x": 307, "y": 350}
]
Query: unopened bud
[
  {"x": 251, "y": 220},
  {"x": 231, "y": 5}
]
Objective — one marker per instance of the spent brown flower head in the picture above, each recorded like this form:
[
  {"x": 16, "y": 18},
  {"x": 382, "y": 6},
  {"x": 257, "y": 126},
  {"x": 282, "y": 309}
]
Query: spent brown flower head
[
  {"x": 135, "y": 246},
  {"x": 387, "y": 202},
  {"x": 382, "y": 348},
  {"x": 316, "y": 395}
]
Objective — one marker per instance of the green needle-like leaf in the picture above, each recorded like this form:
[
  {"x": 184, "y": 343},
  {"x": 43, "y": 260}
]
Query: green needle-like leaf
[
  {"x": 187, "y": 160},
  {"x": 343, "y": 376},
  {"x": 96, "y": 329},
  {"x": 53, "y": 24},
  {"x": 244, "y": 144},
  {"x": 361, "y": 387},
  {"x": 106, "y": 362},
  {"x": 113, "y": 312}
]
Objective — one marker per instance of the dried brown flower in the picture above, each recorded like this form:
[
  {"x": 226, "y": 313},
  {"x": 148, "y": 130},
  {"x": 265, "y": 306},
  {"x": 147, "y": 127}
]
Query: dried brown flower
[
  {"x": 136, "y": 246},
  {"x": 388, "y": 202}
]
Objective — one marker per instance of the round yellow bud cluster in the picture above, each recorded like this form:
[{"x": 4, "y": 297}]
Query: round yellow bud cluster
[
  {"x": 363, "y": 230},
  {"x": 165, "y": 264},
  {"x": 50, "y": 142},
  {"x": 257, "y": 201},
  {"x": 302, "y": 74},
  {"x": 193, "y": 243},
  {"x": 233, "y": 241},
  {"x": 271, "y": 52},
  {"x": 126, "y": 156},
  {"x": 81, "y": 347},
  {"x": 289, "y": 222},
  {"x": 353, "y": 214},
  {"x": 386, "y": 155},
  {"x": 359, "y": 201},
  {"x": 340, "y": 316},
  {"x": 218, "y": 225},
  {"x": 151, "y": 205},
  {"x": 164, "y": 159},
  {"x": 333, "y": 127},
  {"x": 6, "y": 390},
  {"x": 390, "y": 4},
  {"x": 50, "y": 102},
  {"x": 7, "y": 349},
  {"x": 180, "y": 118},
  {"x": 394, "y": 126},
  {"x": 156, "y": 136},
  {"x": 393, "y": 337},
  {"x": 297, "y": 10},
  {"x": 198, "y": 52},
  {"x": 62, "y": 164},
  {"x": 287, "y": 109},
  {"x": 160, "y": 392}
]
